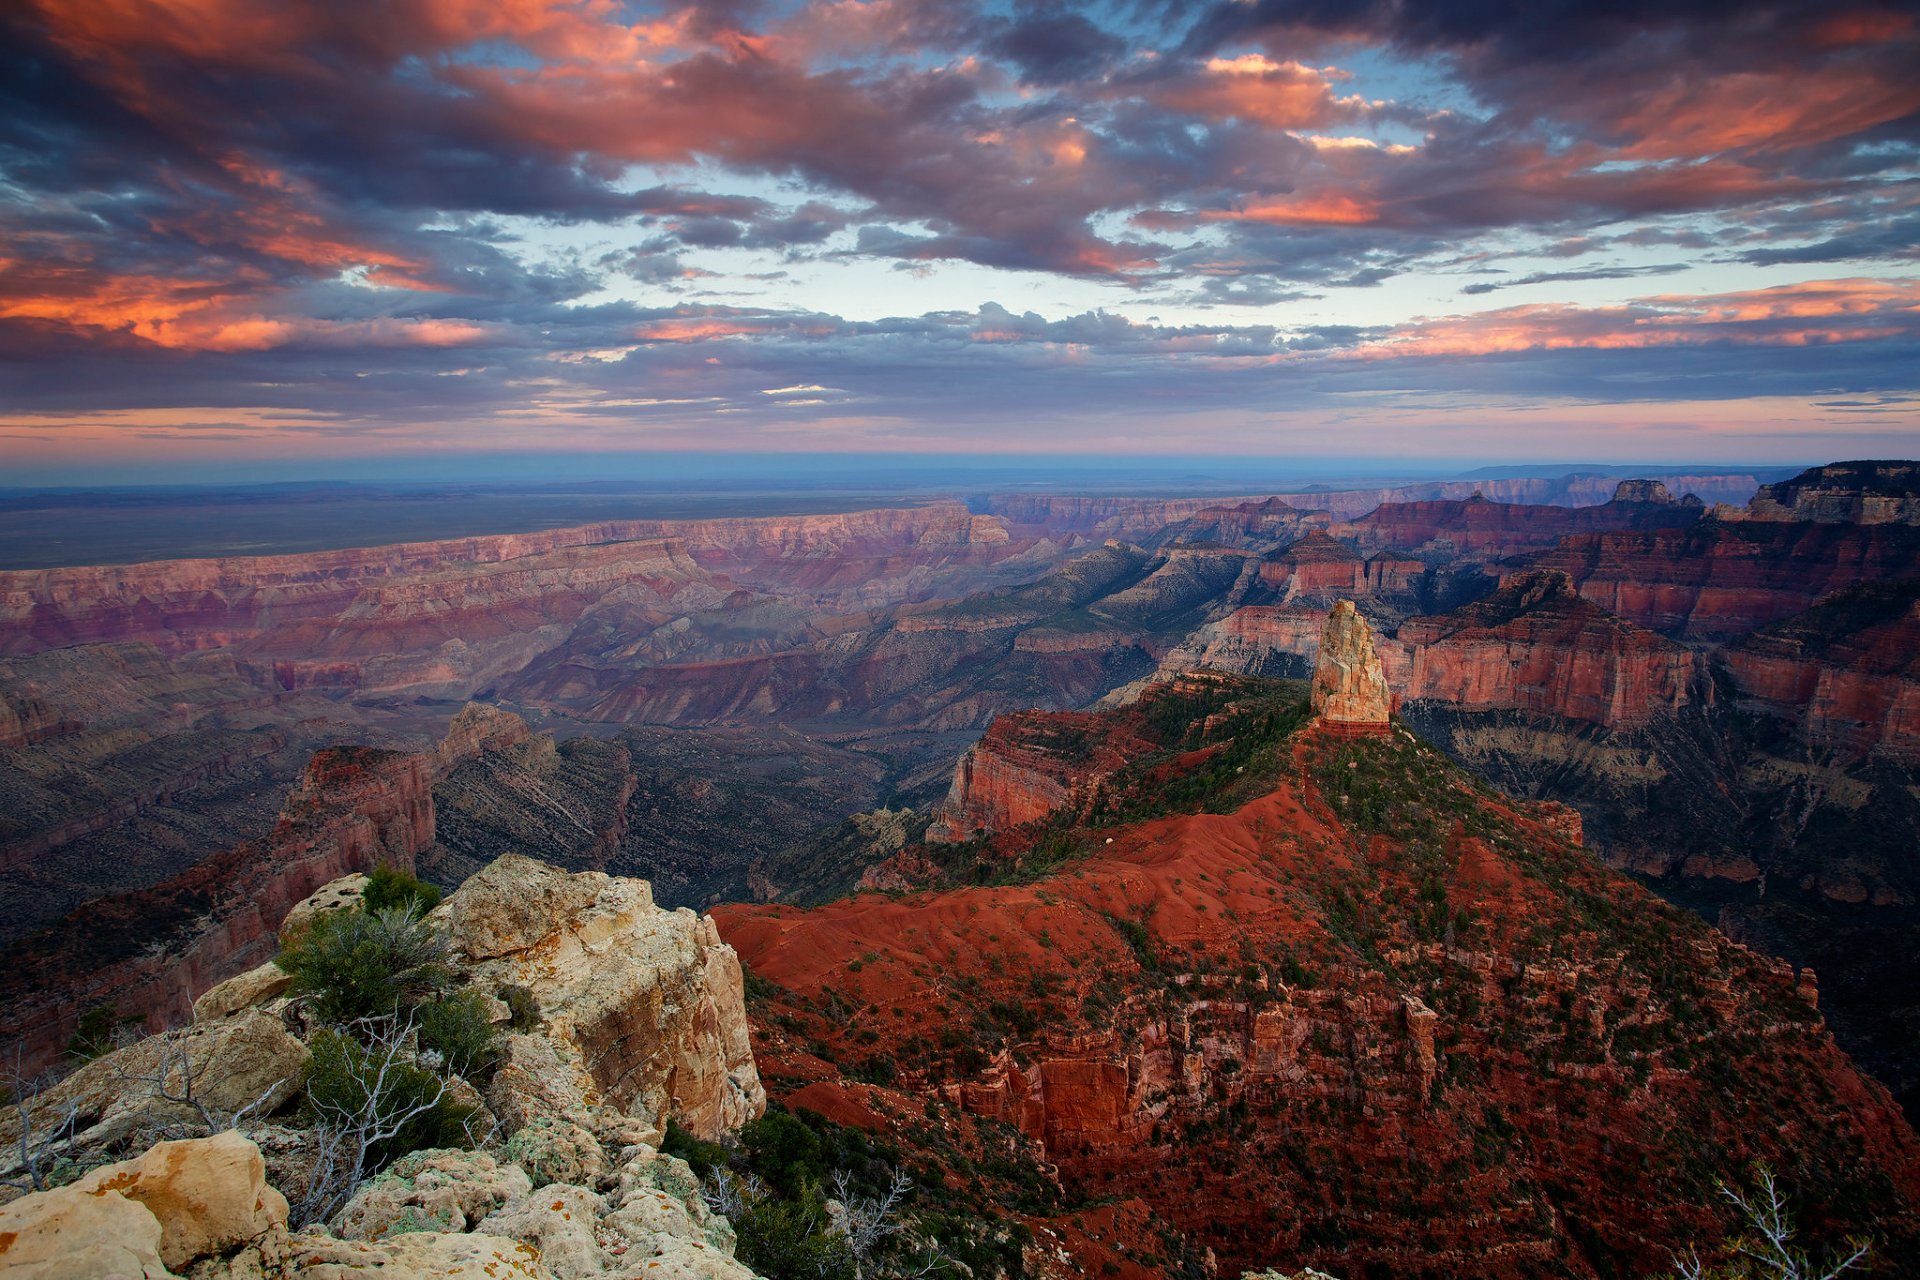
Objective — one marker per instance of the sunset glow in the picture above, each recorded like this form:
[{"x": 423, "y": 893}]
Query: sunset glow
[{"x": 586, "y": 225}]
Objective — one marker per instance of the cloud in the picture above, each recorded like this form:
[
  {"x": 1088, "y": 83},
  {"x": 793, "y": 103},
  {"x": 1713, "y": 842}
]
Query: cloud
[{"x": 483, "y": 201}]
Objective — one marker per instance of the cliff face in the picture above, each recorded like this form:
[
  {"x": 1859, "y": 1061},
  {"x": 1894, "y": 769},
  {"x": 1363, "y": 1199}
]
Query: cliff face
[
  {"x": 1846, "y": 672},
  {"x": 1843, "y": 493},
  {"x": 1480, "y": 527},
  {"x": 1536, "y": 645},
  {"x": 1719, "y": 580},
  {"x": 148, "y": 952},
  {"x": 1308, "y": 1027},
  {"x": 1026, "y": 768}
]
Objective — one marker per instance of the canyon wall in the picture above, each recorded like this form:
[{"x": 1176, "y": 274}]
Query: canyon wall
[
  {"x": 1536, "y": 645},
  {"x": 1845, "y": 673},
  {"x": 1721, "y": 580},
  {"x": 150, "y": 952}
]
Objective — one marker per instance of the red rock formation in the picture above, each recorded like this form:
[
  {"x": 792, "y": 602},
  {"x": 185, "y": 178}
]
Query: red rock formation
[
  {"x": 1846, "y": 671},
  {"x": 149, "y": 953},
  {"x": 1024, "y": 769},
  {"x": 1317, "y": 568},
  {"x": 1535, "y": 645},
  {"x": 1721, "y": 580},
  {"x": 1261, "y": 1024},
  {"x": 1479, "y": 527}
]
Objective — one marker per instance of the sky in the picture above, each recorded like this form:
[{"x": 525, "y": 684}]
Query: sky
[{"x": 289, "y": 234}]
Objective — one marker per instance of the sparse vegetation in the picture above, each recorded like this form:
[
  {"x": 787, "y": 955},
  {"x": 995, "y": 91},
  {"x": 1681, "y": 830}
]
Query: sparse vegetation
[
  {"x": 360, "y": 964},
  {"x": 390, "y": 888}
]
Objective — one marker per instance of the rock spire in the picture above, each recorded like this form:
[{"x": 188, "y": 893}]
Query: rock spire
[{"x": 1348, "y": 687}]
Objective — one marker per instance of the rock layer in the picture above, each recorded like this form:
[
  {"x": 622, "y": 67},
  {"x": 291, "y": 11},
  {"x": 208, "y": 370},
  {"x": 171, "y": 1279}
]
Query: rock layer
[{"x": 1536, "y": 645}]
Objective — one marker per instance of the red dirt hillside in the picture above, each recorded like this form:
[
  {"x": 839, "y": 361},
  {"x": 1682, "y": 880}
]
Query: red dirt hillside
[{"x": 1323, "y": 1000}]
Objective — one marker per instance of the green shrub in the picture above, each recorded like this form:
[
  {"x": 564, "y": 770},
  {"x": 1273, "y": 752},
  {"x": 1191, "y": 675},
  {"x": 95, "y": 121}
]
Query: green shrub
[
  {"x": 524, "y": 1007},
  {"x": 784, "y": 1151},
  {"x": 356, "y": 964},
  {"x": 701, "y": 1157},
  {"x": 458, "y": 1029},
  {"x": 345, "y": 1078},
  {"x": 788, "y": 1240},
  {"x": 390, "y": 887}
]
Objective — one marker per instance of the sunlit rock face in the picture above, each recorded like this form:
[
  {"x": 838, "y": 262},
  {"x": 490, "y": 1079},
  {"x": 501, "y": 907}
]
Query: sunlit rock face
[
  {"x": 1348, "y": 686},
  {"x": 647, "y": 1001}
]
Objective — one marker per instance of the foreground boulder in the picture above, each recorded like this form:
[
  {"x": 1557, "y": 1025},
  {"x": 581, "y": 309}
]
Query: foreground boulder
[
  {"x": 209, "y": 1195},
  {"x": 643, "y": 1007},
  {"x": 247, "y": 1062},
  {"x": 66, "y": 1232}
]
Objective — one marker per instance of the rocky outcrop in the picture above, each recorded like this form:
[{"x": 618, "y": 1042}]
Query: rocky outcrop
[
  {"x": 153, "y": 1216},
  {"x": 1883, "y": 492},
  {"x": 1349, "y": 689},
  {"x": 68, "y": 1232},
  {"x": 1846, "y": 672},
  {"x": 1024, "y": 769},
  {"x": 1536, "y": 645},
  {"x": 645, "y": 1004}
]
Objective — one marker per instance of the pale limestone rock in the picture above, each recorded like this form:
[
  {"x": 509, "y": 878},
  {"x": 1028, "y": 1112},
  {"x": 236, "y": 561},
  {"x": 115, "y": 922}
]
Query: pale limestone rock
[
  {"x": 649, "y": 1000},
  {"x": 237, "y": 1061},
  {"x": 679, "y": 1260},
  {"x": 534, "y": 1078},
  {"x": 559, "y": 1220},
  {"x": 335, "y": 895},
  {"x": 418, "y": 1255},
  {"x": 69, "y": 1232},
  {"x": 210, "y": 1195},
  {"x": 1348, "y": 687},
  {"x": 438, "y": 1190},
  {"x": 553, "y": 1150},
  {"x": 657, "y": 1195},
  {"x": 254, "y": 987}
]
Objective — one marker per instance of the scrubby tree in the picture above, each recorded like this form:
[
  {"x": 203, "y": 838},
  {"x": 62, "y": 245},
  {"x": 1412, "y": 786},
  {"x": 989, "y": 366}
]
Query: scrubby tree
[
  {"x": 359, "y": 964},
  {"x": 1766, "y": 1246},
  {"x": 372, "y": 1101}
]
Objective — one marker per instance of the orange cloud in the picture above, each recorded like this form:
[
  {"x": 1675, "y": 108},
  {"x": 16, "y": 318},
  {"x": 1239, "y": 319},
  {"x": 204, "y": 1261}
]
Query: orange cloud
[
  {"x": 1853, "y": 310},
  {"x": 1257, "y": 90},
  {"x": 1325, "y": 209}
]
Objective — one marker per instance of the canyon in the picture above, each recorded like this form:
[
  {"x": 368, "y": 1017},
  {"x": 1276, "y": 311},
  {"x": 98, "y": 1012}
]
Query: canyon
[{"x": 960, "y": 705}]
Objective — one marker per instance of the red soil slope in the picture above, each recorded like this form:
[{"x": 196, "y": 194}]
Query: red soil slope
[{"x": 1373, "y": 1019}]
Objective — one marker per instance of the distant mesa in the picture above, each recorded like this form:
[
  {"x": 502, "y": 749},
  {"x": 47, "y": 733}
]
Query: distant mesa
[
  {"x": 1349, "y": 688},
  {"x": 1871, "y": 492}
]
